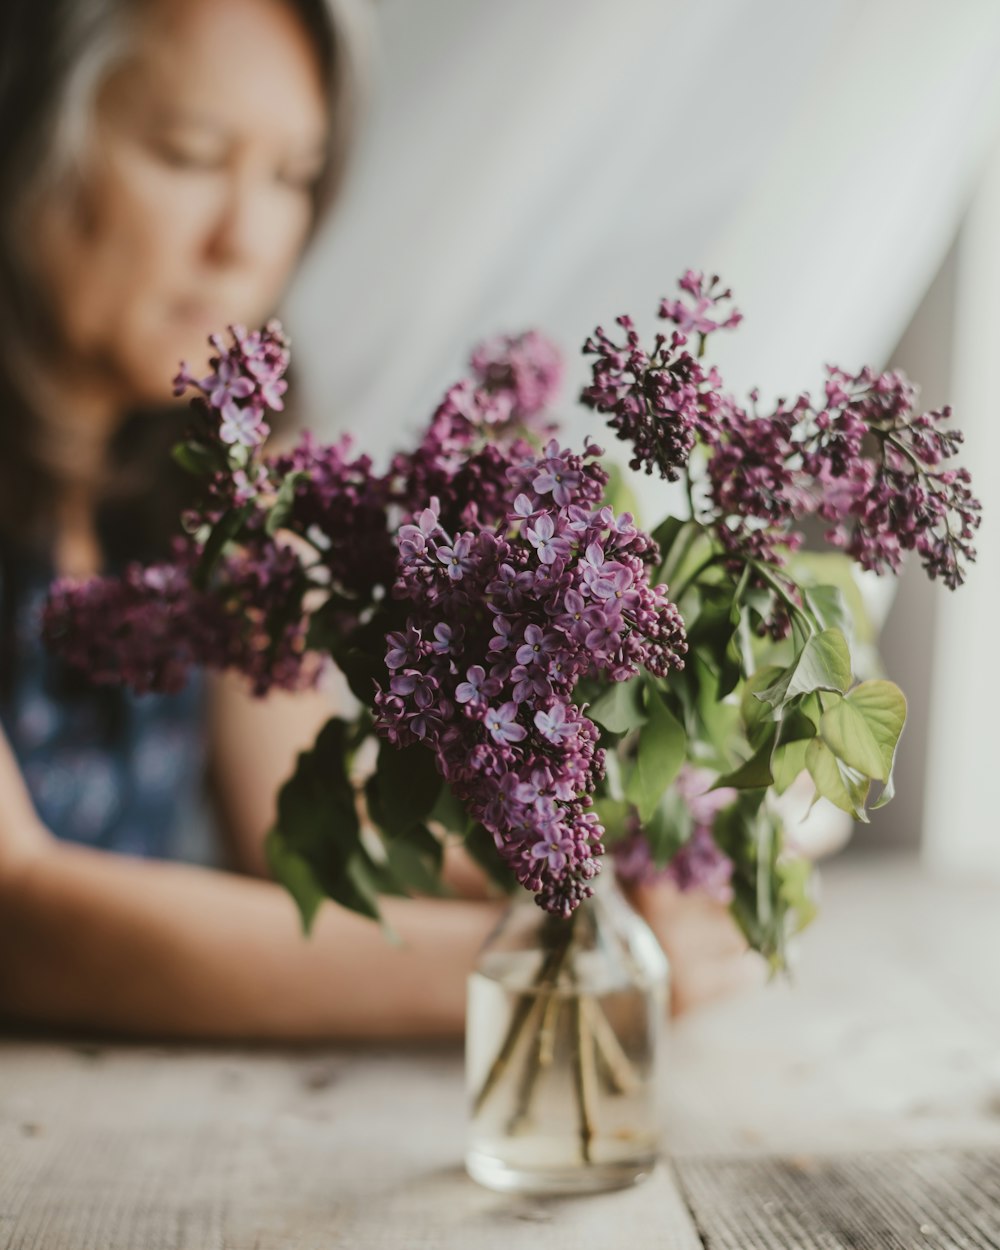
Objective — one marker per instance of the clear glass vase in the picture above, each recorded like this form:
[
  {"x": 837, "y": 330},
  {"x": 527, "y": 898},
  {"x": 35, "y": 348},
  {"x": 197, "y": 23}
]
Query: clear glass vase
[{"x": 565, "y": 1034}]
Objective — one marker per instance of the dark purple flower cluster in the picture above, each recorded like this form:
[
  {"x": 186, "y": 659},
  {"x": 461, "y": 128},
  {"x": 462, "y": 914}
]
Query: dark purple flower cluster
[
  {"x": 661, "y": 400},
  {"x": 150, "y": 626},
  {"x": 341, "y": 507},
  {"x": 461, "y": 460},
  {"x": 699, "y": 864},
  {"x": 866, "y": 461},
  {"x": 899, "y": 498},
  {"x": 754, "y": 486},
  {"x": 142, "y": 628},
  {"x": 504, "y": 622},
  {"x": 246, "y": 380}
]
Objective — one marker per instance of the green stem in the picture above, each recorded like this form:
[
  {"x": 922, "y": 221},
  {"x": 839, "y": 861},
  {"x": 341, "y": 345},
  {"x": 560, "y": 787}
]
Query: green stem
[
  {"x": 677, "y": 592},
  {"x": 584, "y": 1076},
  {"x": 764, "y": 572},
  {"x": 528, "y": 1011}
]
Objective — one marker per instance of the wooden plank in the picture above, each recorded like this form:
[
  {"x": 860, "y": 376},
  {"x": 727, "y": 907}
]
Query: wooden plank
[
  {"x": 885, "y": 1038},
  {"x": 151, "y": 1148},
  {"x": 937, "y": 1200}
]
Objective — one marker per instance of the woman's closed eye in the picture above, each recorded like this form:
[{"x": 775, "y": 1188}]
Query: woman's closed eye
[
  {"x": 301, "y": 176},
  {"x": 190, "y": 156}
]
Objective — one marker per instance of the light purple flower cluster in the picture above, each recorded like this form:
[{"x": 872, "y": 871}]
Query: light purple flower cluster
[
  {"x": 699, "y": 864},
  {"x": 525, "y": 370},
  {"x": 503, "y": 623},
  {"x": 660, "y": 400},
  {"x": 480, "y": 424},
  {"x": 246, "y": 380}
]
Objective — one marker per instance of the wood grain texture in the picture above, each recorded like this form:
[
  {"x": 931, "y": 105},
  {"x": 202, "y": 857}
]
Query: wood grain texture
[
  {"x": 144, "y": 1148},
  {"x": 933, "y": 1200},
  {"x": 887, "y": 1036},
  {"x": 887, "y": 1042}
]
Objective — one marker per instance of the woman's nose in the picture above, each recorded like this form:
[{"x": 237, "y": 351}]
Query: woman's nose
[{"x": 242, "y": 231}]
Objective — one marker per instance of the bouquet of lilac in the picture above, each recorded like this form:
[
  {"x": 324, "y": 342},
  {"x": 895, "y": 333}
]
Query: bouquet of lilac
[{"x": 507, "y": 626}]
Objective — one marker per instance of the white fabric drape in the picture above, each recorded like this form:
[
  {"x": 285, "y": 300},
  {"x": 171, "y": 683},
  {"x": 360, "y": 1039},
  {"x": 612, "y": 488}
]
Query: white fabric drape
[
  {"x": 553, "y": 163},
  {"x": 556, "y": 162}
]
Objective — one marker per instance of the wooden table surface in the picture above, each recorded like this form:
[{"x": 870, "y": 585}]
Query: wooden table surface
[{"x": 858, "y": 1107}]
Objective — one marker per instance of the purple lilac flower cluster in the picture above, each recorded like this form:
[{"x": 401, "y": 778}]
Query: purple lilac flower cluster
[
  {"x": 252, "y": 617},
  {"x": 699, "y": 864},
  {"x": 150, "y": 626},
  {"x": 865, "y": 460},
  {"x": 341, "y": 506},
  {"x": 483, "y": 421},
  {"x": 901, "y": 498},
  {"x": 503, "y": 623},
  {"x": 524, "y": 370},
  {"x": 661, "y": 400},
  {"x": 246, "y": 380}
]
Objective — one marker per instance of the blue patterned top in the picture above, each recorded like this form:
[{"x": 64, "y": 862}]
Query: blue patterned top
[{"x": 104, "y": 766}]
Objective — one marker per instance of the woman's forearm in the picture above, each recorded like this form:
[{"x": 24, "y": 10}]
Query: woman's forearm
[{"x": 94, "y": 939}]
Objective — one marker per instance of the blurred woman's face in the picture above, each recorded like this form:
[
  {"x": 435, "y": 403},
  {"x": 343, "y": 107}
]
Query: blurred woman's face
[{"x": 197, "y": 191}]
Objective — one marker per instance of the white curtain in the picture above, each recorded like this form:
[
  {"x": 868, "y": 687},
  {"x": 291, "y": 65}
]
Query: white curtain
[{"x": 553, "y": 163}]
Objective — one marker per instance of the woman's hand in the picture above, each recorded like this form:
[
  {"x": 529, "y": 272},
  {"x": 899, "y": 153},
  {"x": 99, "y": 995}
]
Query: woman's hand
[{"x": 709, "y": 957}]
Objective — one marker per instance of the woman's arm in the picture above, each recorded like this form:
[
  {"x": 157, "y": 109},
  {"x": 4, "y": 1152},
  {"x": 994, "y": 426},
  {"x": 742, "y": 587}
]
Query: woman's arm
[{"x": 94, "y": 939}]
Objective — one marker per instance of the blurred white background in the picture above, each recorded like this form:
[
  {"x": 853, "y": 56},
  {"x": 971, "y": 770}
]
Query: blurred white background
[{"x": 553, "y": 163}]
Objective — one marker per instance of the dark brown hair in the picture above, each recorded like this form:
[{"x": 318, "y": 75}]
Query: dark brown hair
[{"x": 54, "y": 56}]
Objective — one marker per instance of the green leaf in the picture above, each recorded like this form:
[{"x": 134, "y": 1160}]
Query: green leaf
[
  {"x": 195, "y": 458},
  {"x": 619, "y": 708},
  {"x": 669, "y": 827},
  {"x": 883, "y": 706},
  {"x": 415, "y": 860},
  {"x": 787, "y": 762},
  {"x": 829, "y": 569},
  {"x": 662, "y": 747},
  {"x": 666, "y": 534},
  {"x": 828, "y": 605},
  {"x": 449, "y": 811},
  {"x": 757, "y": 715},
  {"x": 684, "y": 547},
  {"x": 612, "y": 813},
  {"x": 408, "y": 786},
  {"x": 824, "y": 663},
  {"x": 755, "y": 773},
  {"x": 223, "y": 532},
  {"x": 483, "y": 849},
  {"x": 293, "y": 872},
  {"x": 845, "y": 731},
  {"x": 284, "y": 502},
  {"x": 795, "y": 881},
  {"x": 318, "y": 824},
  {"x": 836, "y": 781}
]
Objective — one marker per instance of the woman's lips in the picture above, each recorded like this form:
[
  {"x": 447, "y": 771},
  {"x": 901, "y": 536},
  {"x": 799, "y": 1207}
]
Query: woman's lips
[{"x": 196, "y": 314}]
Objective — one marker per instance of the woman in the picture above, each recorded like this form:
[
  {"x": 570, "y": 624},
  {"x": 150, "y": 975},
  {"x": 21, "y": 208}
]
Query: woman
[{"x": 165, "y": 162}]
